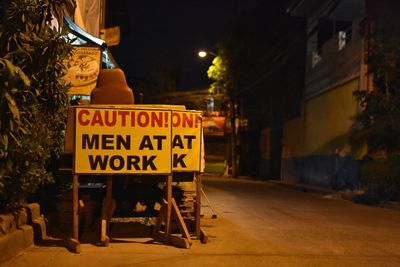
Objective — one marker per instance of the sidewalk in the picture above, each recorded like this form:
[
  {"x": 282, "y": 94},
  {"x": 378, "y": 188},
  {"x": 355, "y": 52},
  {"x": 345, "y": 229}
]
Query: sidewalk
[
  {"x": 308, "y": 188},
  {"x": 349, "y": 195}
]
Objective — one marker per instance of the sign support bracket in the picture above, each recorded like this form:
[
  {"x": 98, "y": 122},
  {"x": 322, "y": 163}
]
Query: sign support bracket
[{"x": 169, "y": 211}]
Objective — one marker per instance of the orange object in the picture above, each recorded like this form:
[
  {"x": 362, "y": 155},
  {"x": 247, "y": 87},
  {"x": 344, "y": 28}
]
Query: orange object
[{"x": 112, "y": 88}]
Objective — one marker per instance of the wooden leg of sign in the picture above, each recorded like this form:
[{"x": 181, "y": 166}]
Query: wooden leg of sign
[
  {"x": 73, "y": 243},
  {"x": 200, "y": 234},
  {"x": 181, "y": 223},
  {"x": 179, "y": 242},
  {"x": 183, "y": 241},
  {"x": 106, "y": 216},
  {"x": 75, "y": 200},
  {"x": 109, "y": 199},
  {"x": 198, "y": 204},
  {"x": 157, "y": 233},
  {"x": 203, "y": 236},
  {"x": 169, "y": 209}
]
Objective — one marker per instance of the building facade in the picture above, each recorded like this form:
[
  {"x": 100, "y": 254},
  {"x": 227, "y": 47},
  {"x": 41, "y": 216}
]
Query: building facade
[{"x": 316, "y": 145}]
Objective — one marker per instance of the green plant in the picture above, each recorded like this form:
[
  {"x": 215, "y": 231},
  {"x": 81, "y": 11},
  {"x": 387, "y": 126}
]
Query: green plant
[
  {"x": 32, "y": 97},
  {"x": 381, "y": 106},
  {"x": 380, "y": 114},
  {"x": 219, "y": 73},
  {"x": 383, "y": 176}
]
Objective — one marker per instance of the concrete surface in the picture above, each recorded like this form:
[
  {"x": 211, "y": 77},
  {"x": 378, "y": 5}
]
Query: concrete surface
[
  {"x": 14, "y": 243},
  {"x": 259, "y": 224},
  {"x": 15, "y": 234}
]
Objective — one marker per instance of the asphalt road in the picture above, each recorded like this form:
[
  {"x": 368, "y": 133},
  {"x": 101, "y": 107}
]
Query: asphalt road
[{"x": 259, "y": 224}]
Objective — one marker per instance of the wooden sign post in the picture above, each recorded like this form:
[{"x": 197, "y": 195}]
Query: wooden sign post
[{"x": 73, "y": 242}]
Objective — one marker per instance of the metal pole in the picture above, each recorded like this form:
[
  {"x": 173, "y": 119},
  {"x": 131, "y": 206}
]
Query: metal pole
[{"x": 233, "y": 139}]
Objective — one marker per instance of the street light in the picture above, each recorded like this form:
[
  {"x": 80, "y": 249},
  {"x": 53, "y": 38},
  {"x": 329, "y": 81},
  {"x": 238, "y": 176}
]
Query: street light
[{"x": 204, "y": 53}]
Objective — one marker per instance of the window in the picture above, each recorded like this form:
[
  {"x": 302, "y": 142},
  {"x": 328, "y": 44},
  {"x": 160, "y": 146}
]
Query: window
[
  {"x": 343, "y": 29},
  {"x": 328, "y": 29}
]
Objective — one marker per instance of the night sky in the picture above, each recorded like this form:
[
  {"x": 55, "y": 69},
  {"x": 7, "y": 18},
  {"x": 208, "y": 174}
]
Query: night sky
[{"x": 160, "y": 35}]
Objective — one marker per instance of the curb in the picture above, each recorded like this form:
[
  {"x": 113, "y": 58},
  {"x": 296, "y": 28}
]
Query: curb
[
  {"x": 393, "y": 205},
  {"x": 14, "y": 243},
  {"x": 306, "y": 188},
  {"x": 19, "y": 234}
]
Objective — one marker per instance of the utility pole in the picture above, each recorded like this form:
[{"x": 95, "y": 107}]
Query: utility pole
[{"x": 233, "y": 139}]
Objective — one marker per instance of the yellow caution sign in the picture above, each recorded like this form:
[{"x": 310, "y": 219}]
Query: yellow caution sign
[
  {"x": 186, "y": 141},
  {"x": 122, "y": 141}
]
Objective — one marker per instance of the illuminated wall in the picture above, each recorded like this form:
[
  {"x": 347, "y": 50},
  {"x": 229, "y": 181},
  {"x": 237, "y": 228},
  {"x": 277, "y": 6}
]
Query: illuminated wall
[
  {"x": 316, "y": 146},
  {"x": 327, "y": 120}
]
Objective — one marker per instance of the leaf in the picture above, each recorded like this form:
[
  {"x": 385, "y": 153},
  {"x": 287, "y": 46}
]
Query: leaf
[
  {"x": 12, "y": 106},
  {"x": 24, "y": 78},
  {"x": 4, "y": 141},
  {"x": 15, "y": 70},
  {"x": 10, "y": 67}
]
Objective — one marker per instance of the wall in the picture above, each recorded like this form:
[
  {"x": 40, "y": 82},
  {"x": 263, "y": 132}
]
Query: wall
[
  {"x": 328, "y": 118},
  {"x": 292, "y": 148},
  {"x": 316, "y": 145}
]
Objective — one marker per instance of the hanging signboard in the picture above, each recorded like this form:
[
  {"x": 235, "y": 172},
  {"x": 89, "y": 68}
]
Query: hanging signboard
[
  {"x": 213, "y": 125},
  {"x": 186, "y": 141},
  {"x": 83, "y": 68},
  {"x": 122, "y": 141}
]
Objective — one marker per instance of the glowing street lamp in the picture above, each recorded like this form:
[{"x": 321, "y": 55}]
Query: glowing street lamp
[{"x": 204, "y": 53}]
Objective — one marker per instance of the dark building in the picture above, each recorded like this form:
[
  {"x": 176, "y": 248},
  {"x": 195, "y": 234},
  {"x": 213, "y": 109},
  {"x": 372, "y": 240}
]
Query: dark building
[{"x": 316, "y": 146}]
